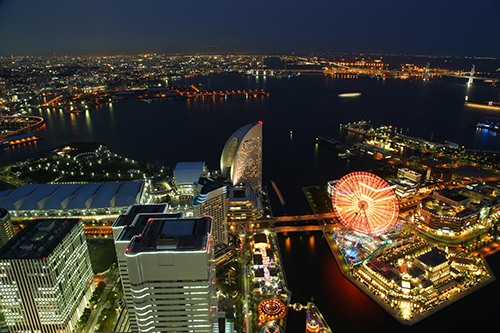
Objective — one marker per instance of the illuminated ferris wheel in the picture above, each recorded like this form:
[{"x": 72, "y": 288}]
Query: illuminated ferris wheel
[{"x": 365, "y": 203}]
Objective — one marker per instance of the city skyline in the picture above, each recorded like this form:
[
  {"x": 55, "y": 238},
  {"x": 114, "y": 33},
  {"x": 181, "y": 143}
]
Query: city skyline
[
  {"x": 375, "y": 189},
  {"x": 126, "y": 27}
]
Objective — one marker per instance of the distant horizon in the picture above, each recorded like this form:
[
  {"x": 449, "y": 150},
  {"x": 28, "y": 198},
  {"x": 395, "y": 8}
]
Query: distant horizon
[{"x": 270, "y": 54}]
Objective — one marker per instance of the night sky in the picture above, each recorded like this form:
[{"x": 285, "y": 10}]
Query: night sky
[{"x": 451, "y": 27}]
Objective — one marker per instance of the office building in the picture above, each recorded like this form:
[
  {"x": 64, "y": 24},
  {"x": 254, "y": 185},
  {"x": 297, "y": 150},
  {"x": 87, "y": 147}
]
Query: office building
[
  {"x": 172, "y": 276},
  {"x": 46, "y": 277},
  {"x": 6, "y": 228},
  {"x": 241, "y": 159},
  {"x": 212, "y": 200},
  {"x": 403, "y": 187}
]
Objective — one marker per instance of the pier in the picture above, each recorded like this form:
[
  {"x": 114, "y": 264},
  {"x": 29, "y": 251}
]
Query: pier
[{"x": 147, "y": 95}]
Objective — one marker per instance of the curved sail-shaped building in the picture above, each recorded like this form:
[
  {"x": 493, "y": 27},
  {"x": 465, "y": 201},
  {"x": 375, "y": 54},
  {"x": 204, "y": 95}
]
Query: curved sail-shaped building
[{"x": 241, "y": 159}]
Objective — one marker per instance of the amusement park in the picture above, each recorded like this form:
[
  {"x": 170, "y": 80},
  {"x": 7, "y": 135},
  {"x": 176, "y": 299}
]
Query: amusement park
[
  {"x": 389, "y": 259},
  {"x": 381, "y": 248}
]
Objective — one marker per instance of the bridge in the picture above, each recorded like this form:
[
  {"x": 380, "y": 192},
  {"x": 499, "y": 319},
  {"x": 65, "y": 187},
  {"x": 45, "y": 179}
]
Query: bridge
[
  {"x": 254, "y": 225},
  {"x": 247, "y": 225},
  {"x": 341, "y": 71},
  {"x": 51, "y": 101}
]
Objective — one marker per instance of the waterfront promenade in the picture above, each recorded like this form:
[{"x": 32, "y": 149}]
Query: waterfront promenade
[{"x": 416, "y": 317}]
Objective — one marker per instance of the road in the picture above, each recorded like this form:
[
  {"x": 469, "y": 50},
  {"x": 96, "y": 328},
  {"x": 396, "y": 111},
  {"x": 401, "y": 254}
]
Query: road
[
  {"x": 90, "y": 327},
  {"x": 248, "y": 323},
  {"x": 111, "y": 281}
]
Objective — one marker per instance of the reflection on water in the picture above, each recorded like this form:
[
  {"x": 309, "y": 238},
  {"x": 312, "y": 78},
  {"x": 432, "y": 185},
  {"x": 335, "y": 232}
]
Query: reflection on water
[
  {"x": 315, "y": 158},
  {"x": 312, "y": 271},
  {"x": 88, "y": 122},
  {"x": 288, "y": 245},
  {"x": 73, "y": 118},
  {"x": 485, "y": 137},
  {"x": 311, "y": 244},
  {"x": 171, "y": 131}
]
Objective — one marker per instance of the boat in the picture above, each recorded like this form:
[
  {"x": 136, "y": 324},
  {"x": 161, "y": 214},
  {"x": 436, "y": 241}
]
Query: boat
[
  {"x": 342, "y": 156},
  {"x": 488, "y": 125},
  {"x": 18, "y": 139},
  {"x": 350, "y": 94},
  {"x": 490, "y": 106}
]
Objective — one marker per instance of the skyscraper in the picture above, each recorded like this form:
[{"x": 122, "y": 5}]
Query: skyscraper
[
  {"x": 6, "y": 228},
  {"x": 46, "y": 277},
  {"x": 167, "y": 272},
  {"x": 172, "y": 276},
  {"x": 126, "y": 227},
  {"x": 241, "y": 159}
]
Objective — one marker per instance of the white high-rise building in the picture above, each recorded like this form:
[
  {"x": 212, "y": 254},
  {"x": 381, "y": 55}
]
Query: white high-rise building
[
  {"x": 172, "y": 276},
  {"x": 46, "y": 277},
  {"x": 125, "y": 228},
  {"x": 167, "y": 270}
]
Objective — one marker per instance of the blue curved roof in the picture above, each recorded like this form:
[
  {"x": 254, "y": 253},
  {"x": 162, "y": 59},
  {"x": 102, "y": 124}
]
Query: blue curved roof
[
  {"x": 188, "y": 172},
  {"x": 71, "y": 196}
]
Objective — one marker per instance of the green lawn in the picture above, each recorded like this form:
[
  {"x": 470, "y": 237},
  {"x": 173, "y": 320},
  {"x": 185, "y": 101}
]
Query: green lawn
[{"x": 102, "y": 253}]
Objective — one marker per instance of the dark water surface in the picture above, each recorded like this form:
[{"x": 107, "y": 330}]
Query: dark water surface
[
  {"x": 196, "y": 130},
  {"x": 312, "y": 271}
]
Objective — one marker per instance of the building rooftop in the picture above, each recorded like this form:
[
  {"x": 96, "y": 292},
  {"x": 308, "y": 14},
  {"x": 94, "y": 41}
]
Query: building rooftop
[
  {"x": 37, "y": 239},
  {"x": 260, "y": 238},
  {"x": 257, "y": 259},
  {"x": 432, "y": 258},
  {"x": 383, "y": 269},
  {"x": 402, "y": 182},
  {"x": 452, "y": 195},
  {"x": 188, "y": 172},
  {"x": 140, "y": 221},
  {"x": 71, "y": 196},
  {"x": 127, "y": 219},
  {"x": 438, "y": 208},
  {"x": 172, "y": 235},
  {"x": 208, "y": 186}
]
